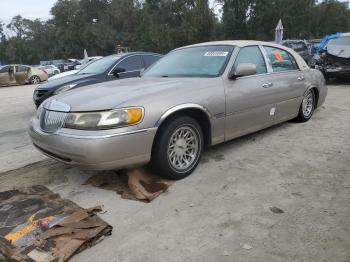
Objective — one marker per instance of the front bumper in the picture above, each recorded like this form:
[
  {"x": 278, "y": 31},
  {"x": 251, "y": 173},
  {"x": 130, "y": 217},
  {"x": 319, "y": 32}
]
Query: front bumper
[{"x": 97, "y": 152}]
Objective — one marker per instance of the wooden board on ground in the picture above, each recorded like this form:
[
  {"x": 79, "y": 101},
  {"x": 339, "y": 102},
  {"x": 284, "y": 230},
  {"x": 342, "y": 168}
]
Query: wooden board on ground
[{"x": 38, "y": 225}]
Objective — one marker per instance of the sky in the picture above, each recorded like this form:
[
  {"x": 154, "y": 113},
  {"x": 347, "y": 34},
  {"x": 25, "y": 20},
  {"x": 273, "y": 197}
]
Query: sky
[
  {"x": 27, "y": 8},
  {"x": 31, "y": 9}
]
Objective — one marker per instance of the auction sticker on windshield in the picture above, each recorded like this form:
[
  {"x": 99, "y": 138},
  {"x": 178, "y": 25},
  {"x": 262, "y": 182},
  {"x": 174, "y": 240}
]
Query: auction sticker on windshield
[{"x": 216, "y": 53}]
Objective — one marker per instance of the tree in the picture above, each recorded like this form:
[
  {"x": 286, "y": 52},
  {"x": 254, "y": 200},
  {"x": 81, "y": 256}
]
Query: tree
[{"x": 161, "y": 25}]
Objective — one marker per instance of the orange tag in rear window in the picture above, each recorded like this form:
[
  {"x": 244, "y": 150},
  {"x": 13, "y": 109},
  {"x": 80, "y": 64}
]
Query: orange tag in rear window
[{"x": 278, "y": 56}]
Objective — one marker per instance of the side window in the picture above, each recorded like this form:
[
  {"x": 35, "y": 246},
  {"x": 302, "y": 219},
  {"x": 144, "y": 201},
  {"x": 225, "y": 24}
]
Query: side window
[
  {"x": 21, "y": 69},
  {"x": 132, "y": 63},
  {"x": 150, "y": 59},
  {"x": 5, "y": 69},
  {"x": 280, "y": 60},
  {"x": 252, "y": 55}
]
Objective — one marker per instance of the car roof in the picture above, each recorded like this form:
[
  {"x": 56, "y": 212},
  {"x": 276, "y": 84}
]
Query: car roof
[
  {"x": 136, "y": 53},
  {"x": 239, "y": 43},
  {"x": 243, "y": 43}
]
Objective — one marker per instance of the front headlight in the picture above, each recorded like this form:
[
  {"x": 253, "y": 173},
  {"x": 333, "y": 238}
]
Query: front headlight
[
  {"x": 64, "y": 88},
  {"x": 105, "y": 119}
]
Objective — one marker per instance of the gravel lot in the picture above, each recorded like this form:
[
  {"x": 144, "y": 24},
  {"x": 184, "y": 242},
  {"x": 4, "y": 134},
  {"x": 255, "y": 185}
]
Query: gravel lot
[{"x": 221, "y": 212}]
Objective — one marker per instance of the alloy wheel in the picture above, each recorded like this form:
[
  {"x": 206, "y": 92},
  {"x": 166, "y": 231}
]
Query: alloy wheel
[
  {"x": 35, "y": 80},
  {"x": 183, "y": 148},
  {"x": 308, "y": 103}
]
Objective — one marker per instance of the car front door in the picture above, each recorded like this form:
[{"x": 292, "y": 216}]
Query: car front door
[
  {"x": 4, "y": 76},
  {"x": 132, "y": 66},
  {"x": 288, "y": 83},
  {"x": 250, "y": 103}
]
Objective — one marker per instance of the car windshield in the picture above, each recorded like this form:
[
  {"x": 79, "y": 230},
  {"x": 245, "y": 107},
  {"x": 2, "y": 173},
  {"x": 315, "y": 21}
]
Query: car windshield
[
  {"x": 340, "y": 41},
  {"x": 202, "y": 61},
  {"x": 99, "y": 66}
]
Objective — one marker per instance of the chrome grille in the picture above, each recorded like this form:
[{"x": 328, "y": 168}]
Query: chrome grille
[{"x": 51, "y": 121}]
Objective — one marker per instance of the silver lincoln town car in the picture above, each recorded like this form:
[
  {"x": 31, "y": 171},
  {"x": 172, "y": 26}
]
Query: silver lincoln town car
[{"x": 195, "y": 96}]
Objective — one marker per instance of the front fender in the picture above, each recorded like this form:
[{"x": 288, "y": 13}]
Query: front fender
[{"x": 182, "y": 107}]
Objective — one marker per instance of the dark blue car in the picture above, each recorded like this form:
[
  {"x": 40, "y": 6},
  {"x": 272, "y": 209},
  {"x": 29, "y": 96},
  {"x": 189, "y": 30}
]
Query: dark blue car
[{"x": 109, "y": 68}]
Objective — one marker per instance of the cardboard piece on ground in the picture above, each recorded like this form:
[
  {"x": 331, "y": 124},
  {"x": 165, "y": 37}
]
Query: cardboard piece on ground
[
  {"x": 135, "y": 184},
  {"x": 38, "y": 225}
]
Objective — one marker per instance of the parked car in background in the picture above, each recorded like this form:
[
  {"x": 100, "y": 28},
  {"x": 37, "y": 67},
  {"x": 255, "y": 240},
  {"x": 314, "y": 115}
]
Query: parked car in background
[
  {"x": 21, "y": 74},
  {"x": 72, "y": 72},
  {"x": 333, "y": 59},
  {"x": 62, "y": 64},
  {"x": 314, "y": 45},
  {"x": 299, "y": 46},
  {"x": 195, "y": 96},
  {"x": 50, "y": 69},
  {"x": 109, "y": 68}
]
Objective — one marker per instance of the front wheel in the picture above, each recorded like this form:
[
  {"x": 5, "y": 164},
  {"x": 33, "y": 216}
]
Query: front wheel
[
  {"x": 34, "y": 80},
  {"x": 307, "y": 106},
  {"x": 178, "y": 148}
]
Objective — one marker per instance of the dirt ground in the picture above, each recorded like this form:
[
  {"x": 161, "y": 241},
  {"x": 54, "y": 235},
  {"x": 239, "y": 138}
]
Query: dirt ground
[{"x": 222, "y": 212}]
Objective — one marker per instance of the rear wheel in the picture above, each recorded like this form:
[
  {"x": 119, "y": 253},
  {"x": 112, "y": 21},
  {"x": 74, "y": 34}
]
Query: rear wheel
[
  {"x": 307, "y": 106},
  {"x": 178, "y": 148},
  {"x": 34, "y": 80}
]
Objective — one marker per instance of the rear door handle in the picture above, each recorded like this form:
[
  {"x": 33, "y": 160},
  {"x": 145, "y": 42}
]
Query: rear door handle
[
  {"x": 267, "y": 85},
  {"x": 300, "y": 78}
]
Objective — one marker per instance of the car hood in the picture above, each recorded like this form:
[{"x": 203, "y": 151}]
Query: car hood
[
  {"x": 109, "y": 95},
  {"x": 342, "y": 51},
  {"x": 54, "y": 83}
]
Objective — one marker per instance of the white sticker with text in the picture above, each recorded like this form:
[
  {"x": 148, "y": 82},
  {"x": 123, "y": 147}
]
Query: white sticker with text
[{"x": 216, "y": 53}]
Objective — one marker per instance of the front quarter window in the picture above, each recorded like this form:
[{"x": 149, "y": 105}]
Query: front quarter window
[{"x": 201, "y": 61}]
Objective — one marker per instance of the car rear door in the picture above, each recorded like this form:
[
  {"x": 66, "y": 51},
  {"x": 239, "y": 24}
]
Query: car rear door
[
  {"x": 21, "y": 74},
  {"x": 288, "y": 83},
  {"x": 250, "y": 101}
]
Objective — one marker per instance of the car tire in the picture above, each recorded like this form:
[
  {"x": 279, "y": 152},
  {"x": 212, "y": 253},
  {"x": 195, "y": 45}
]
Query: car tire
[
  {"x": 34, "y": 80},
  {"x": 178, "y": 148},
  {"x": 56, "y": 72},
  {"x": 307, "y": 106}
]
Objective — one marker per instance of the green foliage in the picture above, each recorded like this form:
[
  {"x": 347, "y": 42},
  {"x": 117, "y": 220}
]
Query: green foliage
[{"x": 161, "y": 25}]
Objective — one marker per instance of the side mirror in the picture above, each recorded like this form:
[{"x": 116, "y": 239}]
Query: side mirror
[
  {"x": 244, "y": 69},
  {"x": 117, "y": 71}
]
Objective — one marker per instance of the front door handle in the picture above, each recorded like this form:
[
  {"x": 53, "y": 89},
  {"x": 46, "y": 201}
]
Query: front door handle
[
  {"x": 267, "y": 85},
  {"x": 300, "y": 78}
]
